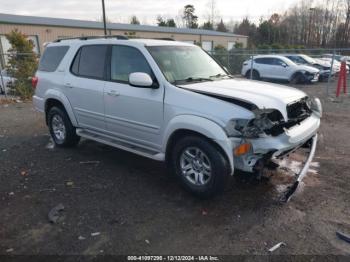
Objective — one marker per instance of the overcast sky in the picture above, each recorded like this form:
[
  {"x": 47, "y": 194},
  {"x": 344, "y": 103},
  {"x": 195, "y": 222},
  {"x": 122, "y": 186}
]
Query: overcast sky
[{"x": 145, "y": 10}]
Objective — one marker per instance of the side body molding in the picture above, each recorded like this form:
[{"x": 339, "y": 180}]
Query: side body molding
[
  {"x": 55, "y": 94},
  {"x": 203, "y": 126}
]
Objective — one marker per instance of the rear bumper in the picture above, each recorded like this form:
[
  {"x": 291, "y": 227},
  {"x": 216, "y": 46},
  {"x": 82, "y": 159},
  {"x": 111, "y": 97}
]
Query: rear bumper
[
  {"x": 272, "y": 147},
  {"x": 39, "y": 103}
]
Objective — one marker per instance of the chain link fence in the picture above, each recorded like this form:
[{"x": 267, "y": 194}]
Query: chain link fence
[{"x": 233, "y": 60}]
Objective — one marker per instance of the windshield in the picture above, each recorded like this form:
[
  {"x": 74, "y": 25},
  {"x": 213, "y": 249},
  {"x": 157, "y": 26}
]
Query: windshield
[
  {"x": 297, "y": 59},
  {"x": 309, "y": 59},
  {"x": 186, "y": 64}
]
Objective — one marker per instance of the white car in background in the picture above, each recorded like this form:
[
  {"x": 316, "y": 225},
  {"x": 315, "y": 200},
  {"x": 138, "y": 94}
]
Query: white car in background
[
  {"x": 5, "y": 82},
  {"x": 336, "y": 64},
  {"x": 322, "y": 65},
  {"x": 338, "y": 58},
  {"x": 278, "y": 67}
]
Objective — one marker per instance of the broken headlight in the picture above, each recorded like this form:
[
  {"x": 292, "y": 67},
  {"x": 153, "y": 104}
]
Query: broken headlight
[
  {"x": 315, "y": 105},
  {"x": 264, "y": 121}
]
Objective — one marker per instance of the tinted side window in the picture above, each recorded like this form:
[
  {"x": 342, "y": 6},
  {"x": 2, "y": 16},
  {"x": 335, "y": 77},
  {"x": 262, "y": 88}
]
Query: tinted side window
[
  {"x": 126, "y": 60},
  {"x": 265, "y": 61},
  {"x": 90, "y": 61},
  {"x": 75, "y": 65},
  {"x": 52, "y": 57},
  {"x": 278, "y": 62}
]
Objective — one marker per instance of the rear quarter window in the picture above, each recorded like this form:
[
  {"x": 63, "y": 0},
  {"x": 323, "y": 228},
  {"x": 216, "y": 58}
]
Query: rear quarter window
[{"x": 52, "y": 57}]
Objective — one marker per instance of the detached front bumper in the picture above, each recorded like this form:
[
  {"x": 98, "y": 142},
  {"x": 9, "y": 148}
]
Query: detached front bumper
[
  {"x": 264, "y": 149},
  {"x": 289, "y": 193}
]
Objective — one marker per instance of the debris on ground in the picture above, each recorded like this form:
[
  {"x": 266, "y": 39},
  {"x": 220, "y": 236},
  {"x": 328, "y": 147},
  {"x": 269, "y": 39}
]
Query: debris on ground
[
  {"x": 95, "y": 234},
  {"x": 204, "y": 212},
  {"x": 11, "y": 194},
  {"x": 54, "y": 213},
  {"x": 343, "y": 236},
  {"x": 9, "y": 250},
  {"x": 89, "y": 162},
  {"x": 277, "y": 246},
  {"x": 147, "y": 241},
  {"x": 70, "y": 183},
  {"x": 51, "y": 144},
  {"x": 24, "y": 173},
  {"x": 81, "y": 238}
]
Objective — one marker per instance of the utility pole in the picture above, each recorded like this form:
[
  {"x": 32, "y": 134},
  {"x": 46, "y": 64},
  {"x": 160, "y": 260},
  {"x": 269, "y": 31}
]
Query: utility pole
[{"x": 104, "y": 17}]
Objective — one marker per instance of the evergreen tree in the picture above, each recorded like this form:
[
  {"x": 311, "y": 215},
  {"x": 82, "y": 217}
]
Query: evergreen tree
[{"x": 22, "y": 63}]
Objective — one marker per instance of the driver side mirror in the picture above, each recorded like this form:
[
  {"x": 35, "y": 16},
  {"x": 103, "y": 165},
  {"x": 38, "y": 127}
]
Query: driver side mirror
[
  {"x": 140, "y": 79},
  {"x": 284, "y": 65}
]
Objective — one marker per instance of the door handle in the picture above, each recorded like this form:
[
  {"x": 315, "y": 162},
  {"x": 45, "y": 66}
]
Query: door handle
[
  {"x": 113, "y": 93},
  {"x": 68, "y": 85}
]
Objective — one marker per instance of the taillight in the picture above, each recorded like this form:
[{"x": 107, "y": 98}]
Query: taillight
[{"x": 35, "y": 81}]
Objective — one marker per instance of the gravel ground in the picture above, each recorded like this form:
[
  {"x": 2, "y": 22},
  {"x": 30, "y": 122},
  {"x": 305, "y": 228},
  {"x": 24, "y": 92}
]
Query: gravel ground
[{"x": 135, "y": 207}]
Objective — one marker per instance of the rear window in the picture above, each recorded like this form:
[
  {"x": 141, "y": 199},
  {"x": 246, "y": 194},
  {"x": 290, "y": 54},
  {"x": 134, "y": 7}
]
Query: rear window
[
  {"x": 90, "y": 61},
  {"x": 52, "y": 57}
]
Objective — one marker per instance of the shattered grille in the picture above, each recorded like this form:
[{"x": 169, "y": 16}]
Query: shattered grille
[{"x": 298, "y": 110}]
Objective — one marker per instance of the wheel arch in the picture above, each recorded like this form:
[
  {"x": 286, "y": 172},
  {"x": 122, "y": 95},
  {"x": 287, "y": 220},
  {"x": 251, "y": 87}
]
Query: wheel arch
[
  {"x": 55, "y": 98},
  {"x": 298, "y": 72},
  {"x": 187, "y": 125}
]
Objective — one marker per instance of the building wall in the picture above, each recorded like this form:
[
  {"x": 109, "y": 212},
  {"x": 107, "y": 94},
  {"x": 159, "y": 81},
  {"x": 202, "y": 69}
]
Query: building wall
[{"x": 50, "y": 33}]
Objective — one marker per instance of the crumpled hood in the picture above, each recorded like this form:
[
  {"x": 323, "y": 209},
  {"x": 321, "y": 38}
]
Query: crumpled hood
[
  {"x": 263, "y": 95},
  {"x": 309, "y": 69},
  {"x": 323, "y": 62}
]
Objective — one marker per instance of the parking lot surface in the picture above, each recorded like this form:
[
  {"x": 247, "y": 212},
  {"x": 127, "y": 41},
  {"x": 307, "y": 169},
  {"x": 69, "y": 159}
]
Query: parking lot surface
[{"x": 119, "y": 203}]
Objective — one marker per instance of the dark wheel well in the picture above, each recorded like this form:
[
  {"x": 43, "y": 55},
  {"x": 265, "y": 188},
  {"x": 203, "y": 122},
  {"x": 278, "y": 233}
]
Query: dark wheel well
[
  {"x": 247, "y": 74},
  {"x": 298, "y": 77},
  {"x": 51, "y": 103},
  {"x": 178, "y": 134}
]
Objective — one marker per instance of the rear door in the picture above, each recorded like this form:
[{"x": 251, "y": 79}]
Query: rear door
[
  {"x": 133, "y": 114},
  {"x": 84, "y": 85}
]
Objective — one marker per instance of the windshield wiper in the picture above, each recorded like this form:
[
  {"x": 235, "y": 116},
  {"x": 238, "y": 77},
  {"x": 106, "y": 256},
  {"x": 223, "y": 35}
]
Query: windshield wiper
[
  {"x": 220, "y": 76},
  {"x": 193, "y": 79}
]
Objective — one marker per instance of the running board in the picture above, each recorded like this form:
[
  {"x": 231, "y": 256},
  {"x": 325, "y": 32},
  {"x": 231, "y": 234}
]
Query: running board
[{"x": 121, "y": 145}]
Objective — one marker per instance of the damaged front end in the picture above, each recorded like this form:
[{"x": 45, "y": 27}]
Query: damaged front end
[
  {"x": 270, "y": 122},
  {"x": 275, "y": 134}
]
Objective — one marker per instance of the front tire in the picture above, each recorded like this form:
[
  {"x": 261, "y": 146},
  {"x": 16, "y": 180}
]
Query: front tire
[
  {"x": 61, "y": 129},
  {"x": 298, "y": 78},
  {"x": 200, "y": 167}
]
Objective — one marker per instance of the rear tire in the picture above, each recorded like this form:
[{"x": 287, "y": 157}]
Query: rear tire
[
  {"x": 200, "y": 167},
  {"x": 255, "y": 75},
  {"x": 61, "y": 129}
]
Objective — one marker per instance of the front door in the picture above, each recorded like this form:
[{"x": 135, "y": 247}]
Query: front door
[{"x": 133, "y": 114}]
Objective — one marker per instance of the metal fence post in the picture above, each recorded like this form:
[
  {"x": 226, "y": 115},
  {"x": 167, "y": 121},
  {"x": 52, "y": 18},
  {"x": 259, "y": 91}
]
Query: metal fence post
[
  {"x": 2, "y": 79},
  {"x": 330, "y": 73},
  {"x": 228, "y": 61},
  {"x": 251, "y": 67}
]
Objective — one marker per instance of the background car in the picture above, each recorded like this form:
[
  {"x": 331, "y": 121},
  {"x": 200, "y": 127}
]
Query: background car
[
  {"x": 5, "y": 82},
  {"x": 336, "y": 63},
  {"x": 323, "y": 66},
  {"x": 279, "y": 68},
  {"x": 339, "y": 58}
]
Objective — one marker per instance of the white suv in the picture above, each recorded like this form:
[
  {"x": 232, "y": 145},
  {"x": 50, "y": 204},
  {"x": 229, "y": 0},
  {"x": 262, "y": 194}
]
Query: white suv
[
  {"x": 279, "y": 68},
  {"x": 172, "y": 102}
]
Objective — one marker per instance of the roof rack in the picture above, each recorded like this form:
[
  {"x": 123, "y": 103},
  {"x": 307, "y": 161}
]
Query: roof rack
[
  {"x": 165, "y": 39},
  {"x": 119, "y": 37}
]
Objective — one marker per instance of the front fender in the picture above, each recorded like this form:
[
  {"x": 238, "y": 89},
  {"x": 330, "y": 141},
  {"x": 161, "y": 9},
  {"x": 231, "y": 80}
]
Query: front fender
[
  {"x": 204, "y": 127},
  {"x": 55, "y": 94}
]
